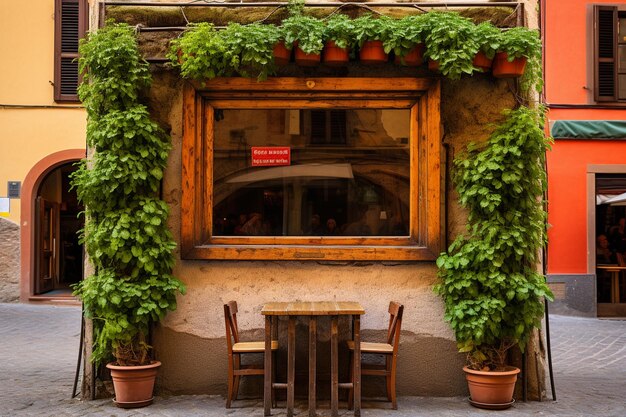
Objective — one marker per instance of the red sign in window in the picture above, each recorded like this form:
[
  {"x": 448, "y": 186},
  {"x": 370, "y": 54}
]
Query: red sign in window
[{"x": 271, "y": 156}]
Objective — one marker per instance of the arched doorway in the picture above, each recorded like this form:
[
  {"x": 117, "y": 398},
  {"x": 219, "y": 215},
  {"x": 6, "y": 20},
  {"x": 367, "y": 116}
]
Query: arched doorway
[
  {"x": 58, "y": 253},
  {"x": 51, "y": 257}
]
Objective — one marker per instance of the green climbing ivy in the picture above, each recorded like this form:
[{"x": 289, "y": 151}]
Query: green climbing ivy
[
  {"x": 126, "y": 234},
  {"x": 490, "y": 284}
]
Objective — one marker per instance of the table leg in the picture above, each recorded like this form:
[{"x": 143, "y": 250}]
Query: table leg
[
  {"x": 334, "y": 367},
  {"x": 356, "y": 328},
  {"x": 312, "y": 363},
  {"x": 615, "y": 286},
  {"x": 291, "y": 364},
  {"x": 267, "y": 367}
]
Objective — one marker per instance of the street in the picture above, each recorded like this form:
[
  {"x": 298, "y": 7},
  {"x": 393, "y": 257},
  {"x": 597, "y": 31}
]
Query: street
[{"x": 39, "y": 345}]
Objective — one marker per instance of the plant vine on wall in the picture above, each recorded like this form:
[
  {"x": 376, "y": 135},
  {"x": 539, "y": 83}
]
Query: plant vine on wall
[
  {"x": 126, "y": 234},
  {"x": 492, "y": 290}
]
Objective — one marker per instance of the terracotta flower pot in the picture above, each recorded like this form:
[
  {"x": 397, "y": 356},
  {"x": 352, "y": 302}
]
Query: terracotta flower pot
[
  {"x": 482, "y": 62},
  {"x": 335, "y": 56},
  {"x": 372, "y": 53},
  {"x": 491, "y": 389},
  {"x": 502, "y": 68},
  {"x": 433, "y": 65},
  {"x": 306, "y": 60},
  {"x": 133, "y": 385},
  {"x": 281, "y": 54},
  {"x": 414, "y": 58}
]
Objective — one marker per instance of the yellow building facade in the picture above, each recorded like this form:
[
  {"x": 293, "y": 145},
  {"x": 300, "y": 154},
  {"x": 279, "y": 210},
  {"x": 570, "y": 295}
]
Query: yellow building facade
[{"x": 41, "y": 139}]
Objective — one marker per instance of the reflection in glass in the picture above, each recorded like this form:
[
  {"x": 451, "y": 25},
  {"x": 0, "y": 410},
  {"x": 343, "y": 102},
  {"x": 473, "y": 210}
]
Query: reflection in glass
[{"x": 349, "y": 173}]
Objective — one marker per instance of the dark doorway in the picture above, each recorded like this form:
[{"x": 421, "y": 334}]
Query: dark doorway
[
  {"x": 610, "y": 245},
  {"x": 59, "y": 255}
]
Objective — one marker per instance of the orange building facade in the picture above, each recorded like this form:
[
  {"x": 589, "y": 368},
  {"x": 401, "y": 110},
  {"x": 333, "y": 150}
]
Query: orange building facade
[{"x": 585, "y": 91}]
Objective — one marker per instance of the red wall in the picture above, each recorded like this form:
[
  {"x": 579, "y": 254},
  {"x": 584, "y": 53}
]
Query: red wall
[
  {"x": 567, "y": 199},
  {"x": 568, "y": 44}
]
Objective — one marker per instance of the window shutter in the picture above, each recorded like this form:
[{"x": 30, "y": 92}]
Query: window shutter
[
  {"x": 70, "y": 26},
  {"x": 605, "y": 53}
]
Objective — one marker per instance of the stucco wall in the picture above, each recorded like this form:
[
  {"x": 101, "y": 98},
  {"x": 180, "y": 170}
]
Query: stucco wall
[
  {"x": 32, "y": 125},
  {"x": 9, "y": 261},
  {"x": 190, "y": 341}
]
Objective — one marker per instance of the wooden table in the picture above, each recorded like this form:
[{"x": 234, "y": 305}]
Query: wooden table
[
  {"x": 615, "y": 271},
  {"x": 313, "y": 309}
]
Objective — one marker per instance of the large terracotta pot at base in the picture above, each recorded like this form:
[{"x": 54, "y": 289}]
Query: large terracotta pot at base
[
  {"x": 491, "y": 389},
  {"x": 133, "y": 384},
  {"x": 502, "y": 68}
]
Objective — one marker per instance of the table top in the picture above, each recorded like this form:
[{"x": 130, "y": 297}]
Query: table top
[
  {"x": 312, "y": 308},
  {"x": 611, "y": 267}
]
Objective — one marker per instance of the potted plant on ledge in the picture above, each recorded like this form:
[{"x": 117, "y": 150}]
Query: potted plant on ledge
[
  {"x": 517, "y": 46},
  {"x": 338, "y": 40},
  {"x": 371, "y": 33},
  {"x": 489, "y": 281},
  {"x": 306, "y": 34},
  {"x": 126, "y": 233}
]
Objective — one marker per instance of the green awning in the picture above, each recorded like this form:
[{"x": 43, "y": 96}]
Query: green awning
[{"x": 588, "y": 129}]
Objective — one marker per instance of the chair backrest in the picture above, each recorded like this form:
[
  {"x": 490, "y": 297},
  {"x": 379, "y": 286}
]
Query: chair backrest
[
  {"x": 232, "y": 332},
  {"x": 395, "y": 322}
]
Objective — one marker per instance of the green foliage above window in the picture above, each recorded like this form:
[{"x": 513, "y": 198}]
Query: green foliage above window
[
  {"x": 492, "y": 290},
  {"x": 203, "y": 52},
  {"x": 450, "y": 42},
  {"x": 126, "y": 234}
]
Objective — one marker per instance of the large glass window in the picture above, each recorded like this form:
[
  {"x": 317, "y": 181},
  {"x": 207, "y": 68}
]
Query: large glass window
[
  {"x": 325, "y": 168},
  {"x": 347, "y": 172}
]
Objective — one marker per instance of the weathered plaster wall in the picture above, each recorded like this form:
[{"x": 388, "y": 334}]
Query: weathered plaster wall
[
  {"x": 9, "y": 261},
  {"x": 190, "y": 341}
]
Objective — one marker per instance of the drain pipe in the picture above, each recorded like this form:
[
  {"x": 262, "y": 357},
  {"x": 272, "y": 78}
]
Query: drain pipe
[{"x": 80, "y": 350}]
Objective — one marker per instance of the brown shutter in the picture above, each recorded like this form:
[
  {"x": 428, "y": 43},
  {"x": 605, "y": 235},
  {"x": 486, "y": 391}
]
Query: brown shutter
[
  {"x": 605, "y": 53},
  {"x": 70, "y": 18}
]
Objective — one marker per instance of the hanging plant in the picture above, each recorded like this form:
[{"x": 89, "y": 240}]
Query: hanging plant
[
  {"x": 488, "y": 38},
  {"x": 406, "y": 39},
  {"x": 450, "y": 43},
  {"x": 307, "y": 35},
  {"x": 492, "y": 291},
  {"x": 524, "y": 46},
  {"x": 126, "y": 233},
  {"x": 371, "y": 33}
]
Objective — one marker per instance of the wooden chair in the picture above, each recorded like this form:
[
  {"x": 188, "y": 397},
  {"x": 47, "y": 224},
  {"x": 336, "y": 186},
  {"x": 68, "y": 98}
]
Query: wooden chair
[
  {"x": 236, "y": 349},
  {"x": 389, "y": 350}
]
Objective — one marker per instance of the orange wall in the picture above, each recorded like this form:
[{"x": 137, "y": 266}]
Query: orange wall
[
  {"x": 567, "y": 199},
  {"x": 568, "y": 45}
]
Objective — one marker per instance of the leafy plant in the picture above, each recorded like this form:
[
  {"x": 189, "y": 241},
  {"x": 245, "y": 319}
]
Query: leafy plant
[
  {"x": 201, "y": 53},
  {"x": 372, "y": 28},
  {"x": 307, "y": 31},
  {"x": 126, "y": 234},
  {"x": 449, "y": 41},
  {"x": 254, "y": 45},
  {"x": 405, "y": 34},
  {"x": 490, "y": 285},
  {"x": 340, "y": 29},
  {"x": 487, "y": 36},
  {"x": 520, "y": 42}
]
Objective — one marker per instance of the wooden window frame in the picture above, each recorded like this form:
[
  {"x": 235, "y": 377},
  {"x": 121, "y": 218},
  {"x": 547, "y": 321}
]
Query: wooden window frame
[
  {"x": 83, "y": 23},
  {"x": 420, "y": 95}
]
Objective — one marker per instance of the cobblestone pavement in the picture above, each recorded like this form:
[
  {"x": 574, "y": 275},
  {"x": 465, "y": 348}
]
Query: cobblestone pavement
[{"x": 39, "y": 344}]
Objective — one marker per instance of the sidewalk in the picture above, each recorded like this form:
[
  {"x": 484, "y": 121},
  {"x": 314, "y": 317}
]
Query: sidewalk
[{"x": 39, "y": 345}]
